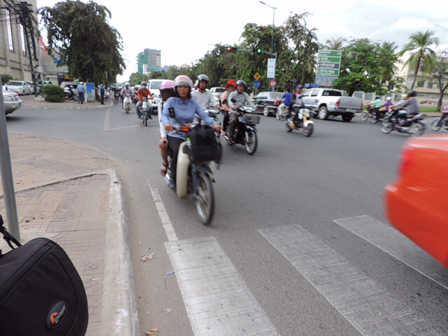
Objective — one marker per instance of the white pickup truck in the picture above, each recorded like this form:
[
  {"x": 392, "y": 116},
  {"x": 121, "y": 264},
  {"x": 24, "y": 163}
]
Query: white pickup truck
[{"x": 330, "y": 102}]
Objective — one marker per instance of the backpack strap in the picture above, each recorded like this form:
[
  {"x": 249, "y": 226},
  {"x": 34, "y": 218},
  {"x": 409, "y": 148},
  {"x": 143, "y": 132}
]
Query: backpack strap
[{"x": 7, "y": 236}]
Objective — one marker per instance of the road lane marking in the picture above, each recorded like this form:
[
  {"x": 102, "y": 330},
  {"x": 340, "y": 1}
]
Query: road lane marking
[
  {"x": 107, "y": 120},
  {"x": 217, "y": 299},
  {"x": 163, "y": 214},
  {"x": 392, "y": 242},
  {"x": 367, "y": 306}
]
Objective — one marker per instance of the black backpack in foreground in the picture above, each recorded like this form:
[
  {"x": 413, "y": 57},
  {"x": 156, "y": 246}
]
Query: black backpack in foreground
[{"x": 41, "y": 293}]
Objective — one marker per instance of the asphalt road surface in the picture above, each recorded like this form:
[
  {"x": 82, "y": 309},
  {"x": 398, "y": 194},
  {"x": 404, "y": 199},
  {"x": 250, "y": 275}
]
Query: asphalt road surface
[{"x": 299, "y": 244}]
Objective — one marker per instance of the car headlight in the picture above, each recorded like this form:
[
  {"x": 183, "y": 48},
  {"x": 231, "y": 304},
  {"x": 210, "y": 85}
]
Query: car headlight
[{"x": 8, "y": 98}]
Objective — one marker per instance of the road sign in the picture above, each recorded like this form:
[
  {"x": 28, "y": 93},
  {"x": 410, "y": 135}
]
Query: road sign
[
  {"x": 271, "y": 67},
  {"x": 257, "y": 84},
  {"x": 272, "y": 83},
  {"x": 329, "y": 63},
  {"x": 325, "y": 80},
  {"x": 257, "y": 76}
]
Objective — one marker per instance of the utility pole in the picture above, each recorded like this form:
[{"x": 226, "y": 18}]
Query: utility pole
[{"x": 28, "y": 22}]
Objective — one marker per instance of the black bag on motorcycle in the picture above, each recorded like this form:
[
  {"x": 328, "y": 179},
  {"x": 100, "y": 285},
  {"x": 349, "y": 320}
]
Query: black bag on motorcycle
[
  {"x": 41, "y": 293},
  {"x": 204, "y": 146}
]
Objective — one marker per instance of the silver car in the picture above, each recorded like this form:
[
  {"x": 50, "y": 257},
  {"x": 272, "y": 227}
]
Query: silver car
[{"x": 11, "y": 101}]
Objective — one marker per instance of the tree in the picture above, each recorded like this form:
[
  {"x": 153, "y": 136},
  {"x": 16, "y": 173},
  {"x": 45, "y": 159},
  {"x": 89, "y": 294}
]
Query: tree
[
  {"x": 136, "y": 78},
  {"x": 80, "y": 36},
  {"x": 440, "y": 73},
  {"x": 368, "y": 67},
  {"x": 419, "y": 45},
  {"x": 335, "y": 44}
]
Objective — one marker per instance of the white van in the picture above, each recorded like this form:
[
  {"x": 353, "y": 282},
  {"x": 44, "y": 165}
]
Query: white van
[{"x": 154, "y": 87}]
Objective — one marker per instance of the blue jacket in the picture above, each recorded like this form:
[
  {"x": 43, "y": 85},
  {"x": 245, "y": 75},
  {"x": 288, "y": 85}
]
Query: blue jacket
[{"x": 185, "y": 111}]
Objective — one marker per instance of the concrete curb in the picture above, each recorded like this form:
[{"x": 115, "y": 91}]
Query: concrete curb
[{"x": 119, "y": 313}]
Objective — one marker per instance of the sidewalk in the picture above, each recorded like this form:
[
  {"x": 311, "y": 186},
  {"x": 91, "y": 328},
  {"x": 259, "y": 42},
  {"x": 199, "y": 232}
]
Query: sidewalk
[
  {"x": 70, "y": 194},
  {"x": 33, "y": 103}
]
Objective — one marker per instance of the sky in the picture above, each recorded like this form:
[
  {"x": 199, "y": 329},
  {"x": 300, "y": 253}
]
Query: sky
[{"x": 185, "y": 30}]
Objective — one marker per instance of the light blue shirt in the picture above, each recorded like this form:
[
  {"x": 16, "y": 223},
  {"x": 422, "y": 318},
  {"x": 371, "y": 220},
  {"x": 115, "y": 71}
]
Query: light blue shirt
[
  {"x": 185, "y": 113},
  {"x": 81, "y": 88}
]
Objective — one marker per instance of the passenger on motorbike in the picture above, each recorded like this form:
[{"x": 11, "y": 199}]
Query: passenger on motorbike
[
  {"x": 242, "y": 99},
  {"x": 297, "y": 102},
  {"x": 230, "y": 87},
  {"x": 142, "y": 93},
  {"x": 183, "y": 110},
  {"x": 166, "y": 91},
  {"x": 126, "y": 93},
  {"x": 388, "y": 104},
  {"x": 203, "y": 96},
  {"x": 410, "y": 105},
  {"x": 286, "y": 102}
]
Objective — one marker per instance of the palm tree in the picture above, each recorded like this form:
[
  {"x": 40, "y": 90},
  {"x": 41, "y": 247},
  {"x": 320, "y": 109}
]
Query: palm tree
[
  {"x": 335, "y": 44},
  {"x": 419, "y": 45}
]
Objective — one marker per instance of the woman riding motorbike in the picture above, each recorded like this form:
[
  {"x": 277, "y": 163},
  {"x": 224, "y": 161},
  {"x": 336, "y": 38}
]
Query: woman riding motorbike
[{"x": 181, "y": 110}]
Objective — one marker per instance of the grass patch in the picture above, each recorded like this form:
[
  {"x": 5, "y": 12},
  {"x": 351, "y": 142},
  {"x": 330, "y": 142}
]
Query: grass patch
[{"x": 427, "y": 109}]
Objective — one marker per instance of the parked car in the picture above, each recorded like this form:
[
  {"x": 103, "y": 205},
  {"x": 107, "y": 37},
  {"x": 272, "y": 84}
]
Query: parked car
[
  {"x": 417, "y": 202},
  {"x": 11, "y": 101},
  {"x": 31, "y": 86},
  {"x": 267, "y": 102},
  {"x": 330, "y": 102},
  {"x": 66, "y": 86},
  {"x": 217, "y": 92},
  {"x": 20, "y": 87}
]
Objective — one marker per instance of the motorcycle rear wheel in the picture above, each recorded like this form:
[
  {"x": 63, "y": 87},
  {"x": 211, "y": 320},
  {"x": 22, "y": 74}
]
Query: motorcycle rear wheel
[
  {"x": 307, "y": 131},
  {"x": 435, "y": 126},
  {"x": 387, "y": 127},
  {"x": 416, "y": 129},
  {"x": 205, "y": 201},
  {"x": 251, "y": 145},
  {"x": 374, "y": 120}
]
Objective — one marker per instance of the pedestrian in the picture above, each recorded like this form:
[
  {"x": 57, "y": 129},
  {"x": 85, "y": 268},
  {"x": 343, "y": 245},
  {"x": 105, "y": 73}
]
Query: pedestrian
[
  {"x": 81, "y": 91},
  {"x": 102, "y": 89}
]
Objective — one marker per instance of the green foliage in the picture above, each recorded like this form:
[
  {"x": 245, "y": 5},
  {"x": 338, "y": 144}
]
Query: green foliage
[
  {"x": 80, "y": 36},
  {"x": 136, "y": 78},
  {"x": 439, "y": 72},
  {"x": 368, "y": 66},
  {"x": 419, "y": 45},
  {"x": 53, "y": 93},
  {"x": 6, "y": 78}
]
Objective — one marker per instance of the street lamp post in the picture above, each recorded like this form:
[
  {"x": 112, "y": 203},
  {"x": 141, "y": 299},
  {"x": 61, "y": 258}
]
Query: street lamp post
[{"x": 273, "y": 26}]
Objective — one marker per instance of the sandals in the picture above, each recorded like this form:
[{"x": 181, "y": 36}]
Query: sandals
[{"x": 164, "y": 171}]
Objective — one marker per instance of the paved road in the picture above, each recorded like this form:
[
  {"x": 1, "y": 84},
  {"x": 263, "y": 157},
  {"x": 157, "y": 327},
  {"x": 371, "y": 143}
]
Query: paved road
[{"x": 299, "y": 244}]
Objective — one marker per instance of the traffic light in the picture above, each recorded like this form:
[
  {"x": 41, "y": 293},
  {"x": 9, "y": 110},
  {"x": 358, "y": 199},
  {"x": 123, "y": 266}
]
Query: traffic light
[
  {"x": 259, "y": 51},
  {"x": 231, "y": 49}
]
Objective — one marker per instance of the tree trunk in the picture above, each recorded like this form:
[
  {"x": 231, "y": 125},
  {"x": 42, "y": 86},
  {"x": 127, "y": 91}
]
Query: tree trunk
[
  {"x": 351, "y": 92},
  {"x": 415, "y": 74}
]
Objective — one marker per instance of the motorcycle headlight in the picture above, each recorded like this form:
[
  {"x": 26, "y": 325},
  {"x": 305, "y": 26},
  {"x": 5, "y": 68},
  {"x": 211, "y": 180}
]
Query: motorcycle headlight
[{"x": 306, "y": 112}]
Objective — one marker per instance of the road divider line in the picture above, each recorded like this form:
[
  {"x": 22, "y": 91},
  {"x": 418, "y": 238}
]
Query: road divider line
[
  {"x": 391, "y": 241},
  {"x": 163, "y": 214},
  {"x": 107, "y": 120},
  {"x": 367, "y": 306},
  {"x": 217, "y": 300}
]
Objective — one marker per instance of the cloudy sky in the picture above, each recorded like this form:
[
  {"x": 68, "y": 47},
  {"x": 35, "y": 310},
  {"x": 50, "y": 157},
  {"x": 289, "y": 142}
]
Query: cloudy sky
[{"x": 185, "y": 30}]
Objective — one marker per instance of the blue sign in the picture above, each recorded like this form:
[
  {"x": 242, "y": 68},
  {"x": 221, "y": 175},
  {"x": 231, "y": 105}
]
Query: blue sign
[{"x": 257, "y": 84}]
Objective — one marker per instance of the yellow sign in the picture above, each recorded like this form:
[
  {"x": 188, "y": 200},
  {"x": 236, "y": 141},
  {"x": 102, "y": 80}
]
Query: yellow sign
[{"x": 257, "y": 76}]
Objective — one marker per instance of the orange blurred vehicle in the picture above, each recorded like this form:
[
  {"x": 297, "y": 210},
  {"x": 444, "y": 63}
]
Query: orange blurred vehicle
[{"x": 417, "y": 202}]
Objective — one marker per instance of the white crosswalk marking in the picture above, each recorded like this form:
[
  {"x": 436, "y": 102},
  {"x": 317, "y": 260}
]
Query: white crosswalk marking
[
  {"x": 216, "y": 297},
  {"x": 398, "y": 246},
  {"x": 367, "y": 306}
]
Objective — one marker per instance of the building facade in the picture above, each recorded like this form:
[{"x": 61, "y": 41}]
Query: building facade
[{"x": 149, "y": 60}]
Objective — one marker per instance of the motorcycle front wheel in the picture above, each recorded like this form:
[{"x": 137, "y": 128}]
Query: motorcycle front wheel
[
  {"x": 387, "y": 127},
  {"x": 364, "y": 115},
  {"x": 205, "y": 201},
  {"x": 251, "y": 142},
  {"x": 435, "y": 125},
  {"x": 145, "y": 118},
  {"x": 307, "y": 131}
]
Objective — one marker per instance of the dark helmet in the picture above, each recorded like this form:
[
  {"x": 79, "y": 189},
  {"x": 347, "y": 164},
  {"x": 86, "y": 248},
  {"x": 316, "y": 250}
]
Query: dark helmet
[
  {"x": 241, "y": 82},
  {"x": 203, "y": 78},
  {"x": 299, "y": 87},
  {"x": 377, "y": 97},
  {"x": 412, "y": 93}
]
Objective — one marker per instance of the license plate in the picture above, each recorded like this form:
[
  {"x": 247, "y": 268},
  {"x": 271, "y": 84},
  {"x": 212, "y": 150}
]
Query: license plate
[{"x": 351, "y": 110}]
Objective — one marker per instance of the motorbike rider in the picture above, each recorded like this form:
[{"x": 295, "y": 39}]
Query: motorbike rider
[
  {"x": 286, "y": 98},
  {"x": 144, "y": 92},
  {"x": 376, "y": 106},
  {"x": 242, "y": 99},
  {"x": 230, "y": 87},
  {"x": 166, "y": 91},
  {"x": 410, "y": 105},
  {"x": 126, "y": 93},
  {"x": 185, "y": 109},
  {"x": 202, "y": 95}
]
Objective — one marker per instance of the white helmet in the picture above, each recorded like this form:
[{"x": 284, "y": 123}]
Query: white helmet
[
  {"x": 126, "y": 84},
  {"x": 388, "y": 99}
]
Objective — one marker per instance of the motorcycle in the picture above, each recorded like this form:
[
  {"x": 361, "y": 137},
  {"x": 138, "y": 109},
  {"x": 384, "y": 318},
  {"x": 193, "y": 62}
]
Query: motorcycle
[
  {"x": 127, "y": 103},
  {"x": 69, "y": 94},
  {"x": 117, "y": 95},
  {"x": 195, "y": 175},
  {"x": 304, "y": 121},
  {"x": 282, "y": 112},
  {"x": 144, "y": 109},
  {"x": 437, "y": 123},
  {"x": 370, "y": 113},
  {"x": 245, "y": 132},
  {"x": 412, "y": 125}
]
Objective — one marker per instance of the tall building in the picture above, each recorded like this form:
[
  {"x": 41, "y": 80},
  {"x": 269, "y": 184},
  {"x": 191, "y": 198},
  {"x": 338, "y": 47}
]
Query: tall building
[
  {"x": 14, "y": 58},
  {"x": 152, "y": 58}
]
